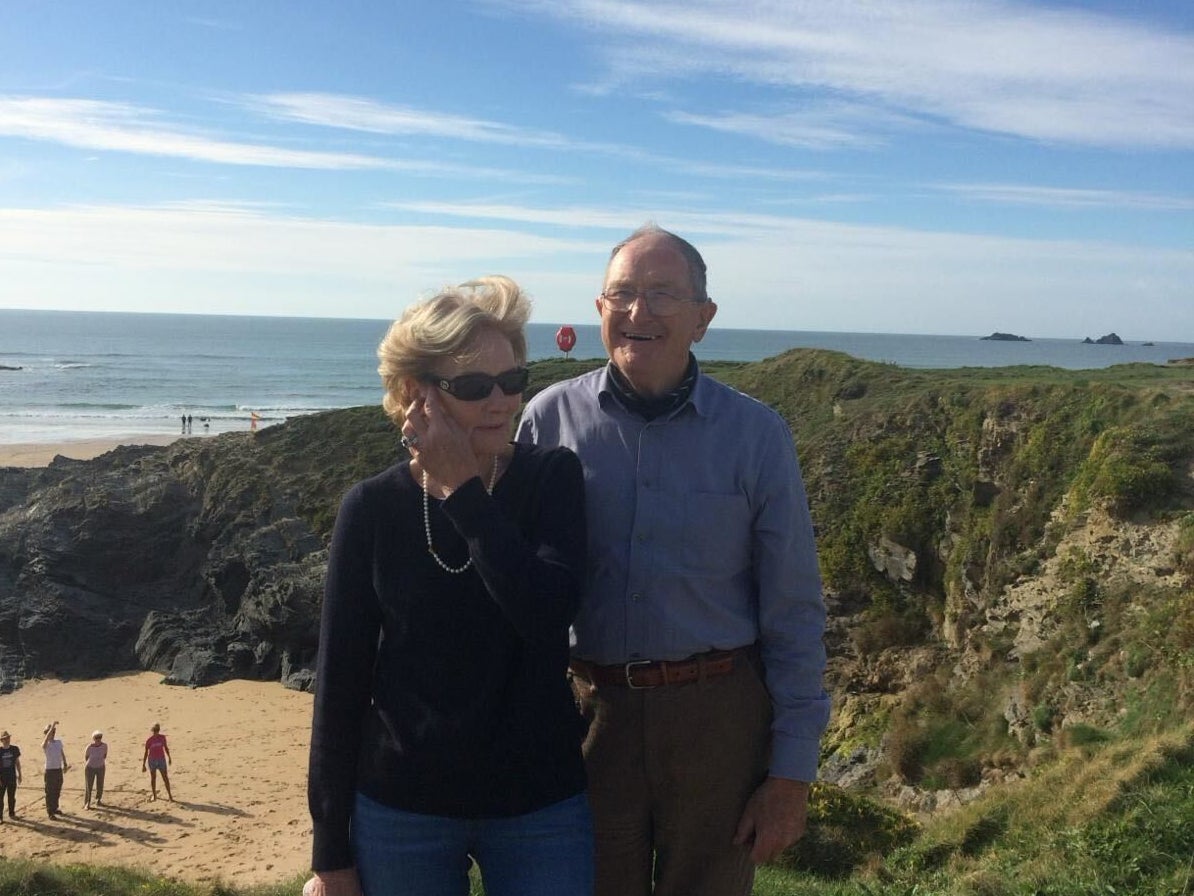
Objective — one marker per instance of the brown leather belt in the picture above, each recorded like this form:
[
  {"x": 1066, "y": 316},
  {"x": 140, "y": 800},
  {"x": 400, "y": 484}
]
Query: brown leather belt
[{"x": 639, "y": 674}]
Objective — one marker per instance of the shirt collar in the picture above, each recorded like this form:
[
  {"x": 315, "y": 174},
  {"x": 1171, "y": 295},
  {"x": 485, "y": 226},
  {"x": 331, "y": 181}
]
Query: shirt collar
[{"x": 616, "y": 385}]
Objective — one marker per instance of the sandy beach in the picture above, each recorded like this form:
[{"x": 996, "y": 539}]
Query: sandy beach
[
  {"x": 34, "y": 454},
  {"x": 238, "y": 775}
]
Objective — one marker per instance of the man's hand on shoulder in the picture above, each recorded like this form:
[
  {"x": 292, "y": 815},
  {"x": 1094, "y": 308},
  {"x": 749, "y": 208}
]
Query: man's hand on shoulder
[
  {"x": 342, "y": 882},
  {"x": 774, "y": 818}
]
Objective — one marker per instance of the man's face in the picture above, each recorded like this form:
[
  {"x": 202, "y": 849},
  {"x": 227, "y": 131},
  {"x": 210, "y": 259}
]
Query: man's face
[{"x": 650, "y": 350}]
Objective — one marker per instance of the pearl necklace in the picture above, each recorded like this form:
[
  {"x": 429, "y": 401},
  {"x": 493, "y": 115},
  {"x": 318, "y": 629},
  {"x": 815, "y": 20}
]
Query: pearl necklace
[{"x": 455, "y": 570}]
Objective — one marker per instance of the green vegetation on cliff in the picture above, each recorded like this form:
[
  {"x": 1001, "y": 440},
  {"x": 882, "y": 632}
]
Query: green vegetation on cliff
[
  {"x": 975, "y": 478},
  {"x": 1025, "y": 627},
  {"x": 1008, "y": 555}
]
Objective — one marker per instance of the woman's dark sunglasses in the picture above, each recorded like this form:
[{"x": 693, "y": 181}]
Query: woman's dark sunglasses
[{"x": 478, "y": 386}]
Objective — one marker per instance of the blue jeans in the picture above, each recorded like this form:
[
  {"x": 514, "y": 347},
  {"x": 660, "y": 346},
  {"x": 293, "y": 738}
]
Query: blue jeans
[{"x": 543, "y": 853}]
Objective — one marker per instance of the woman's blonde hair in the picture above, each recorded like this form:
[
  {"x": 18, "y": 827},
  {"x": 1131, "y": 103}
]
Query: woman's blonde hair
[{"x": 447, "y": 326}]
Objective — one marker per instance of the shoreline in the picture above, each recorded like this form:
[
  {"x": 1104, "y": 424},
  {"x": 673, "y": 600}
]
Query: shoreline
[{"x": 39, "y": 454}]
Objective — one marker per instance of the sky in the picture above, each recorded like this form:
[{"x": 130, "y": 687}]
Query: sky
[{"x": 921, "y": 166}]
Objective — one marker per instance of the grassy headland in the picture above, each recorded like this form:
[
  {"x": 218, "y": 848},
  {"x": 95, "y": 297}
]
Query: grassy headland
[{"x": 1008, "y": 555}]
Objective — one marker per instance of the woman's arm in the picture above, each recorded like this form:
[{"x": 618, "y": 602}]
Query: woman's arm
[
  {"x": 342, "y": 882},
  {"x": 350, "y": 624},
  {"x": 535, "y": 578}
]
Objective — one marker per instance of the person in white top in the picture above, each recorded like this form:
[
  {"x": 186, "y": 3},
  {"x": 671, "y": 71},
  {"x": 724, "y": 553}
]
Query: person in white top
[
  {"x": 56, "y": 765},
  {"x": 93, "y": 769}
]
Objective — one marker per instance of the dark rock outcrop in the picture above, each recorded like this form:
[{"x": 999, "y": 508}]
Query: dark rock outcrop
[
  {"x": 1005, "y": 337},
  {"x": 202, "y": 560},
  {"x": 1109, "y": 339}
]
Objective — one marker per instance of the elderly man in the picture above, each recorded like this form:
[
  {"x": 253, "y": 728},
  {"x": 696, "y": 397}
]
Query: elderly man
[{"x": 698, "y": 653}]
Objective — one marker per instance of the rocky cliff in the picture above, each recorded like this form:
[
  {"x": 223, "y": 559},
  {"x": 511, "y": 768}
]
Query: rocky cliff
[
  {"x": 202, "y": 560},
  {"x": 1008, "y": 555}
]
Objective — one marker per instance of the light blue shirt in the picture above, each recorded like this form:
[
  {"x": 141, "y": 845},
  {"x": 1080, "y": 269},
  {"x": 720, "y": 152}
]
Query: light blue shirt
[{"x": 699, "y": 539}]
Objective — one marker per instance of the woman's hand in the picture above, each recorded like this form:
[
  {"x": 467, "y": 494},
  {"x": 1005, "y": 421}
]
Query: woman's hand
[
  {"x": 441, "y": 445},
  {"x": 342, "y": 882}
]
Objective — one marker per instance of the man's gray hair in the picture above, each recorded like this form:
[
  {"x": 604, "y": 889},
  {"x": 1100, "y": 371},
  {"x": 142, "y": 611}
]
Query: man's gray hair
[{"x": 696, "y": 264}]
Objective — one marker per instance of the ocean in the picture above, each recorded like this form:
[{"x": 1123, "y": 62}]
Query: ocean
[{"x": 91, "y": 375}]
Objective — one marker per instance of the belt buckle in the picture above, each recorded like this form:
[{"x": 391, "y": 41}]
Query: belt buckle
[{"x": 629, "y": 669}]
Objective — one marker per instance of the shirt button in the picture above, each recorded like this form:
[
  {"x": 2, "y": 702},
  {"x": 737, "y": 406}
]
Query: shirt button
[
  {"x": 636, "y": 597},
  {"x": 641, "y": 537}
]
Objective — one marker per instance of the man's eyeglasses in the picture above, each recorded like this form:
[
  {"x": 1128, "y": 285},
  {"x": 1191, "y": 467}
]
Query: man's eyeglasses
[
  {"x": 479, "y": 386},
  {"x": 660, "y": 302}
]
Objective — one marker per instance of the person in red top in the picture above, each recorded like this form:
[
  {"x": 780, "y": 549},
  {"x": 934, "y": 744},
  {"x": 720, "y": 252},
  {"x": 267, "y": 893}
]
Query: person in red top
[{"x": 157, "y": 755}]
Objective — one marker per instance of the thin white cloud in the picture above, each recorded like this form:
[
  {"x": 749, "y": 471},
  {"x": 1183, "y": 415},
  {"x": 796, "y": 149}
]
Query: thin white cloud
[
  {"x": 242, "y": 238},
  {"x": 361, "y": 114},
  {"x": 747, "y": 172},
  {"x": 369, "y": 116},
  {"x": 120, "y": 127},
  {"x": 852, "y": 127},
  {"x": 1064, "y": 197},
  {"x": 1047, "y": 74},
  {"x": 565, "y": 216},
  {"x": 618, "y": 220}
]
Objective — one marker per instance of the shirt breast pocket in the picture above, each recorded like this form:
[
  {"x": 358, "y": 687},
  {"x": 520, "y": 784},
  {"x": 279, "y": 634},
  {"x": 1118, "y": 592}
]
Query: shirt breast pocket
[{"x": 717, "y": 533}]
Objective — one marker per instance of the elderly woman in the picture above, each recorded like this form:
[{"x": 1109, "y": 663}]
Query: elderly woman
[{"x": 444, "y": 727}]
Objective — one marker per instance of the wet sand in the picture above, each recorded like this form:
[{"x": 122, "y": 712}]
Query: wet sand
[{"x": 39, "y": 454}]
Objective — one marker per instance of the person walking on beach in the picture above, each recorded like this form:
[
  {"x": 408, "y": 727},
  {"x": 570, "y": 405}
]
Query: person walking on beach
[
  {"x": 95, "y": 757},
  {"x": 56, "y": 766},
  {"x": 157, "y": 755},
  {"x": 444, "y": 728},
  {"x": 10, "y": 774},
  {"x": 697, "y": 653}
]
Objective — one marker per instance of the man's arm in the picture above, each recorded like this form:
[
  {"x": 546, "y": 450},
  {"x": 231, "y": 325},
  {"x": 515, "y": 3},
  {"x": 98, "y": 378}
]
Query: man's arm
[
  {"x": 791, "y": 628},
  {"x": 17, "y": 765}
]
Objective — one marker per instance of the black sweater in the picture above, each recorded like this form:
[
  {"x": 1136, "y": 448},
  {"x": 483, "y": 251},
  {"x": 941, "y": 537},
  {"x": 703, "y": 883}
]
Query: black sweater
[{"x": 447, "y": 694}]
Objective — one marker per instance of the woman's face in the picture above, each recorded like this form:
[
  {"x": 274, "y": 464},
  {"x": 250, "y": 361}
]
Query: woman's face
[{"x": 489, "y": 420}]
